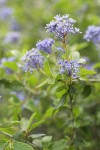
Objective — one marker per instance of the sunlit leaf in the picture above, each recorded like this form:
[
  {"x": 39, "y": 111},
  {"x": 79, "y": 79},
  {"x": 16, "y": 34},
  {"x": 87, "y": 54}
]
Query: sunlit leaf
[
  {"x": 2, "y": 145},
  {"x": 84, "y": 72},
  {"x": 11, "y": 65},
  {"x": 31, "y": 121},
  {"x": 22, "y": 146},
  {"x": 47, "y": 69}
]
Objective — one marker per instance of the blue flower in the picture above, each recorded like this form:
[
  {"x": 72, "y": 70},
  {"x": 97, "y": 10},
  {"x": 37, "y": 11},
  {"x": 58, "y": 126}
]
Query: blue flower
[
  {"x": 32, "y": 60},
  {"x": 62, "y": 26},
  {"x": 2, "y": 2},
  {"x": 93, "y": 34},
  {"x": 70, "y": 68},
  {"x": 45, "y": 45},
  {"x": 5, "y": 13},
  {"x": 12, "y": 37}
]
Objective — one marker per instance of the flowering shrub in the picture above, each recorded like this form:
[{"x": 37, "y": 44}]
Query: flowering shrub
[{"x": 51, "y": 91}]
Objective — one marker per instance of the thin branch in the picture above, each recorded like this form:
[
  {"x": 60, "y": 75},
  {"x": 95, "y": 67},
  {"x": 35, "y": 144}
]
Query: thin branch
[
  {"x": 89, "y": 80},
  {"x": 6, "y": 134}
]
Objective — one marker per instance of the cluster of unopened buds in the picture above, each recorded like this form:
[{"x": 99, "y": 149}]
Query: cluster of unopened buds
[{"x": 61, "y": 27}]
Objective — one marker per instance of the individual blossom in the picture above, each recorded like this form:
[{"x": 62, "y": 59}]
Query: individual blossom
[
  {"x": 32, "y": 60},
  {"x": 93, "y": 34},
  {"x": 12, "y": 37},
  {"x": 70, "y": 68},
  {"x": 62, "y": 26},
  {"x": 45, "y": 45}
]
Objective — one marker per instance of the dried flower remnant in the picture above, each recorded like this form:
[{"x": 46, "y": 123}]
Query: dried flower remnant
[
  {"x": 93, "y": 34},
  {"x": 62, "y": 26},
  {"x": 32, "y": 60},
  {"x": 45, "y": 45},
  {"x": 70, "y": 68}
]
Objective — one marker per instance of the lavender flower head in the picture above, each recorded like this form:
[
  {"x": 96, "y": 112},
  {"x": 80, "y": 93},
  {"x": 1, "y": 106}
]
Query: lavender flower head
[
  {"x": 45, "y": 45},
  {"x": 2, "y": 2},
  {"x": 32, "y": 60},
  {"x": 12, "y": 37},
  {"x": 62, "y": 26},
  {"x": 93, "y": 34},
  {"x": 70, "y": 68},
  {"x": 5, "y": 13}
]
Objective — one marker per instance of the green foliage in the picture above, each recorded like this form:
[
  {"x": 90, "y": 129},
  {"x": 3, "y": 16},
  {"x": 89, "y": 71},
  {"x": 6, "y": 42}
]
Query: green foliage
[
  {"x": 23, "y": 146},
  {"x": 46, "y": 110}
]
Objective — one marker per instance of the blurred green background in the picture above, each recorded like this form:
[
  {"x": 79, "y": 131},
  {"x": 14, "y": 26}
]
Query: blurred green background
[{"x": 22, "y": 24}]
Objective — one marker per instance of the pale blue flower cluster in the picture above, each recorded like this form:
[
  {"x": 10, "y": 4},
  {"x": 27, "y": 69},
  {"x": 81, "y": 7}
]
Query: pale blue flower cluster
[
  {"x": 32, "y": 60},
  {"x": 2, "y": 2},
  {"x": 62, "y": 26},
  {"x": 70, "y": 68},
  {"x": 45, "y": 45},
  {"x": 5, "y": 13},
  {"x": 12, "y": 37},
  {"x": 93, "y": 34}
]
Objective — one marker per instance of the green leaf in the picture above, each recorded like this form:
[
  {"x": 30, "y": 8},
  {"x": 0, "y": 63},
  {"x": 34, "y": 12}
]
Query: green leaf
[
  {"x": 2, "y": 73},
  {"x": 29, "y": 105},
  {"x": 51, "y": 80},
  {"x": 15, "y": 53},
  {"x": 34, "y": 136},
  {"x": 31, "y": 121},
  {"x": 62, "y": 101},
  {"x": 43, "y": 83},
  {"x": 75, "y": 55},
  {"x": 77, "y": 123},
  {"x": 46, "y": 141},
  {"x": 9, "y": 124},
  {"x": 59, "y": 145},
  {"x": 2, "y": 145},
  {"x": 97, "y": 65},
  {"x": 18, "y": 134},
  {"x": 87, "y": 91},
  {"x": 76, "y": 111},
  {"x": 49, "y": 113},
  {"x": 32, "y": 80},
  {"x": 73, "y": 90},
  {"x": 11, "y": 65},
  {"x": 24, "y": 124},
  {"x": 35, "y": 125},
  {"x": 22, "y": 146},
  {"x": 84, "y": 72},
  {"x": 37, "y": 144},
  {"x": 60, "y": 92},
  {"x": 47, "y": 68}
]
